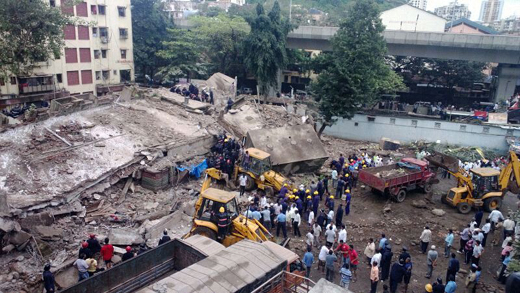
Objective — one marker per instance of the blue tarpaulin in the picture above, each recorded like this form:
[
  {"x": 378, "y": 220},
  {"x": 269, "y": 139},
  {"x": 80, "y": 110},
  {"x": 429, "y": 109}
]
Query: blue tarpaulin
[{"x": 196, "y": 170}]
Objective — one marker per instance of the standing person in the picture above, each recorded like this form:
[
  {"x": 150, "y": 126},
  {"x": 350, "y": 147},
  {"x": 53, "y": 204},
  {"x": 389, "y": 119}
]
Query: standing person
[
  {"x": 451, "y": 286},
  {"x": 470, "y": 279},
  {"x": 93, "y": 245},
  {"x": 341, "y": 186},
  {"x": 128, "y": 254},
  {"x": 509, "y": 227},
  {"x": 92, "y": 266},
  {"x": 330, "y": 216},
  {"x": 296, "y": 224},
  {"x": 334, "y": 177},
  {"x": 342, "y": 235},
  {"x": 494, "y": 216},
  {"x": 266, "y": 217},
  {"x": 310, "y": 219},
  {"x": 347, "y": 202},
  {"x": 85, "y": 250},
  {"x": 330, "y": 236},
  {"x": 408, "y": 266},
  {"x": 453, "y": 267},
  {"x": 485, "y": 230},
  {"x": 448, "y": 241},
  {"x": 346, "y": 276},
  {"x": 222, "y": 223},
  {"x": 370, "y": 250},
  {"x": 280, "y": 224},
  {"x": 107, "y": 252},
  {"x": 316, "y": 230},
  {"x": 82, "y": 267},
  {"x": 374, "y": 277},
  {"x": 315, "y": 204},
  {"x": 464, "y": 237},
  {"x": 478, "y": 216},
  {"x": 382, "y": 241},
  {"x": 48, "y": 279},
  {"x": 329, "y": 266},
  {"x": 386, "y": 260},
  {"x": 354, "y": 261},
  {"x": 477, "y": 252},
  {"x": 396, "y": 275},
  {"x": 425, "y": 238},
  {"x": 339, "y": 215},
  {"x": 165, "y": 238},
  {"x": 309, "y": 239},
  {"x": 438, "y": 287},
  {"x": 344, "y": 249},
  {"x": 404, "y": 254},
  {"x": 324, "y": 251},
  {"x": 431, "y": 261},
  {"x": 326, "y": 185},
  {"x": 468, "y": 251},
  {"x": 506, "y": 249},
  {"x": 505, "y": 263},
  {"x": 242, "y": 179},
  {"x": 308, "y": 259}
]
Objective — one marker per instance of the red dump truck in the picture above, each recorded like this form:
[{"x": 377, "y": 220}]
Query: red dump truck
[{"x": 398, "y": 179}]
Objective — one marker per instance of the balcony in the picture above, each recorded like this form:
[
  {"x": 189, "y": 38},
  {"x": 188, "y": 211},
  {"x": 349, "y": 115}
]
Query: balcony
[{"x": 36, "y": 85}]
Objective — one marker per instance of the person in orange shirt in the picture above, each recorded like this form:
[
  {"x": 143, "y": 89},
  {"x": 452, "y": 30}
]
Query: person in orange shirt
[{"x": 374, "y": 277}]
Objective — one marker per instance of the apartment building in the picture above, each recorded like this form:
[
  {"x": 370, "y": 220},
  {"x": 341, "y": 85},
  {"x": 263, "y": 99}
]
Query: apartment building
[
  {"x": 422, "y": 4},
  {"x": 491, "y": 10},
  {"x": 453, "y": 11},
  {"x": 95, "y": 57}
]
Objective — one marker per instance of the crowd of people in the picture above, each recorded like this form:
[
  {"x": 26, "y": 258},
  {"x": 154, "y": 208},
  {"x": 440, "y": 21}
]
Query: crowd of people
[{"x": 192, "y": 92}]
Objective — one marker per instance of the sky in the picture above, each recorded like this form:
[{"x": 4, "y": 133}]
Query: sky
[{"x": 511, "y": 7}]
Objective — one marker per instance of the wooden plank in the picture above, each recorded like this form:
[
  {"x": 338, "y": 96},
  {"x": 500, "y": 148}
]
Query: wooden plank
[
  {"x": 125, "y": 190},
  {"x": 55, "y": 134}
]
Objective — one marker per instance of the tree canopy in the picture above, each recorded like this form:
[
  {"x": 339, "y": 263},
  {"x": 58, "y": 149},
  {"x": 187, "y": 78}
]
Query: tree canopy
[
  {"x": 355, "y": 73},
  {"x": 264, "y": 47},
  {"x": 150, "y": 25},
  {"x": 30, "y": 32}
]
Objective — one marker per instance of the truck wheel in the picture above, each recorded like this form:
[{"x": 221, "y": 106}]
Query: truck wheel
[
  {"x": 400, "y": 196},
  {"x": 463, "y": 208},
  {"x": 206, "y": 232},
  {"x": 443, "y": 198},
  {"x": 250, "y": 183},
  {"x": 492, "y": 203},
  {"x": 428, "y": 188}
]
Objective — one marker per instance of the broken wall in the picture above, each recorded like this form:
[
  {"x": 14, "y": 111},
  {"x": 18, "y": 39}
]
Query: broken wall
[{"x": 293, "y": 149}]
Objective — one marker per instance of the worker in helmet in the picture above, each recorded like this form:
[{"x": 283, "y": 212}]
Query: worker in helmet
[
  {"x": 330, "y": 202},
  {"x": 347, "y": 201},
  {"x": 299, "y": 205},
  {"x": 283, "y": 191},
  {"x": 307, "y": 204},
  {"x": 315, "y": 203},
  {"x": 128, "y": 254},
  {"x": 222, "y": 223},
  {"x": 85, "y": 250}
]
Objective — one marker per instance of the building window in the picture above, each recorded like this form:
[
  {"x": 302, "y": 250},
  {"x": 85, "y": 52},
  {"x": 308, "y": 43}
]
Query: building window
[
  {"x": 70, "y": 32},
  {"x": 106, "y": 74},
  {"x": 103, "y": 33},
  {"x": 2, "y": 81},
  {"x": 102, "y": 9},
  {"x": 392, "y": 120},
  {"x": 72, "y": 77},
  {"x": 125, "y": 76},
  {"x": 414, "y": 123},
  {"x": 103, "y": 54},
  {"x": 437, "y": 125},
  {"x": 122, "y": 11},
  {"x": 93, "y": 9},
  {"x": 83, "y": 33},
  {"x": 485, "y": 129},
  {"x": 13, "y": 80},
  {"x": 84, "y": 55},
  {"x": 123, "y": 54},
  {"x": 97, "y": 54},
  {"x": 86, "y": 76},
  {"x": 463, "y": 128},
  {"x": 59, "y": 78},
  {"x": 52, "y": 3},
  {"x": 94, "y": 32},
  {"x": 71, "y": 55},
  {"x": 82, "y": 9},
  {"x": 98, "y": 75},
  {"x": 67, "y": 7},
  {"x": 123, "y": 33}
]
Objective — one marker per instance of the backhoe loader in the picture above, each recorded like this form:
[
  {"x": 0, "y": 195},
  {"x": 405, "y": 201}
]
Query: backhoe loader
[
  {"x": 205, "y": 221},
  {"x": 481, "y": 187}
]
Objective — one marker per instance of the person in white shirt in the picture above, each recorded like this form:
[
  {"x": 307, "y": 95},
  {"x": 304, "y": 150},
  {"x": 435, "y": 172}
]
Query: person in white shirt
[
  {"x": 311, "y": 218},
  {"x": 509, "y": 227},
  {"x": 316, "y": 229},
  {"x": 486, "y": 229},
  {"x": 494, "y": 216},
  {"x": 342, "y": 235},
  {"x": 330, "y": 216},
  {"x": 426, "y": 237},
  {"x": 334, "y": 176},
  {"x": 321, "y": 258},
  {"x": 263, "y": 201},
  {"x": 296, "y": 223},
  {"x": 376, "y": 258},
  {"x": 277, "y": 209},
  {"x": 472, "y": 225},
  {"x": 309, "y": 240},
  {"x": 333, "y": 227},
  {"x": 370, "y": 250},
  {"x": 330, "y": 236},
  {"x": 243, "y": 181}
]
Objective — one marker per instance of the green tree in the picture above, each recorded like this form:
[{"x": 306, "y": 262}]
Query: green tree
[
  {"x": 357, "y": 73},
  {"x": 30, "y": 32},
  {"x": 264, "y": 47},
  {"x": 150, "y": 24}
]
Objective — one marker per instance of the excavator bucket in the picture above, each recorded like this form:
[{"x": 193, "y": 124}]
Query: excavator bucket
[{"x": 447, "y": 162}]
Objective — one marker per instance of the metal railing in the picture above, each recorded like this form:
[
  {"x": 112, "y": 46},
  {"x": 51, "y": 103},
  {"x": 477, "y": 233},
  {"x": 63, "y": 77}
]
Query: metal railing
[
  {"x": 37, "y": 89},
  {"x": 286, "y": 282}
]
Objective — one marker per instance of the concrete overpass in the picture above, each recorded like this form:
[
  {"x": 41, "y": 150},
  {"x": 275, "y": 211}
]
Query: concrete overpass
[{"x": 504, "y": 50}]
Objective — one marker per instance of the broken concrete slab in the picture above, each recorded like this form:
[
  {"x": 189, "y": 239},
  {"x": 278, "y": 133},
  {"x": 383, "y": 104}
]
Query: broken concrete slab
[
  {"x": 177, "y": 222},
  {"x": 8, "y": 225},
  {"x": 18, "y": 238},
  {"x": 293, "y": 149},
  {"x": 40, "y": 219},
  {"x": 438, "y": 212},
  {"x": 48, "y": 233},
  {"x": 124, "y": 236},
  {"x": 387, "y": 144},
  {"x": 67, "y": 277}
]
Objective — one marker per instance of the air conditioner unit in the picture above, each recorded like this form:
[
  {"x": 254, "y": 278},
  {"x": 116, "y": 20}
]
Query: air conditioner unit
[{"x": 104, "y": 40}]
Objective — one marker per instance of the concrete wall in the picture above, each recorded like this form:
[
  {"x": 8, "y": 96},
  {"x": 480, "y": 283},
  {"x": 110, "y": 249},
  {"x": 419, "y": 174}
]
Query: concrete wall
[
  {"x": 409, "y": 130},
  {"x": 409, "y": 18},
  {"x": 464, "y": 29}
]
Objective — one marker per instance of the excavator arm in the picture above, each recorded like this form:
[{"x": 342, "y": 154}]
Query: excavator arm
[
  {"x": 451, "y": 164},
  {"x": 510, "y": 176}
]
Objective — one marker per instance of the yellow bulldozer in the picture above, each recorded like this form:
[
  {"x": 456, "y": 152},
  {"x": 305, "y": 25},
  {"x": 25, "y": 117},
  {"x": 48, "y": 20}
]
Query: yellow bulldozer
[
  {"x": 481, "y": 187},
  {"x": 208, "y": 204}
]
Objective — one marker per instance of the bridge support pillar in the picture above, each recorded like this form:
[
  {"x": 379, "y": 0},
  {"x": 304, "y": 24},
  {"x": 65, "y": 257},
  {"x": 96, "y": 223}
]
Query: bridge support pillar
[{"x": 508, "y": 77}]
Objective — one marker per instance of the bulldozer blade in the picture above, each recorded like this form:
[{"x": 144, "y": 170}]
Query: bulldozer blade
[
  {"x": 447, "y": 162},
  {"x": 513, "y": 187}
]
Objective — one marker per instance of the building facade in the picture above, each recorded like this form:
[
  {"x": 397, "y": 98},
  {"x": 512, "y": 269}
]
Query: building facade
[
  {"x": 453, "y": 11},
  {"x": 510, "y": 25},
  {"x": 466, "y": 26},
  {"x": 95, "y": 56},
  {"x": 419, "y": 3},
  {"x": 410, "y": 18},
  {"x": 491, "y": 10}
]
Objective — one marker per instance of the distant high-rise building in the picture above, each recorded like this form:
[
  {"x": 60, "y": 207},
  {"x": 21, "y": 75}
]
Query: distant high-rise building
[
  {"x": 419, "y": 3},
  {"x": 453, "y": 11},
  {"x": 491, "y": 10}
]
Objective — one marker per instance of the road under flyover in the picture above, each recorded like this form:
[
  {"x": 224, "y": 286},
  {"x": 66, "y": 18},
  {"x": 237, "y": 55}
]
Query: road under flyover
[{"x": 504, "y": 50}]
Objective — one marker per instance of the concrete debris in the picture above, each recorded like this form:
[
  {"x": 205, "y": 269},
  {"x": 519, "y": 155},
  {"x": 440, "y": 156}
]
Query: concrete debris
[
  {"x": 18, "y": 238},
  {"x": 8, "y": 248},
  {"x": 387, "y": 144},
  {"x": 48, "y": 233},
  {"x": 8, "y": 225},
  {"x": 124, "y": 236},
  {"x": 420, "y": 204},
  {"x": 438, "y": 212},
  {"x": 178, "y": 223}
]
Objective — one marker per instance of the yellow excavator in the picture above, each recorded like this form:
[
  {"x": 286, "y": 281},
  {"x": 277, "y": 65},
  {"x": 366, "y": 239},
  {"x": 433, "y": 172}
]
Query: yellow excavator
[
  {"x": 208, "y": 204},
  {"x": 481, "y": 187}
]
